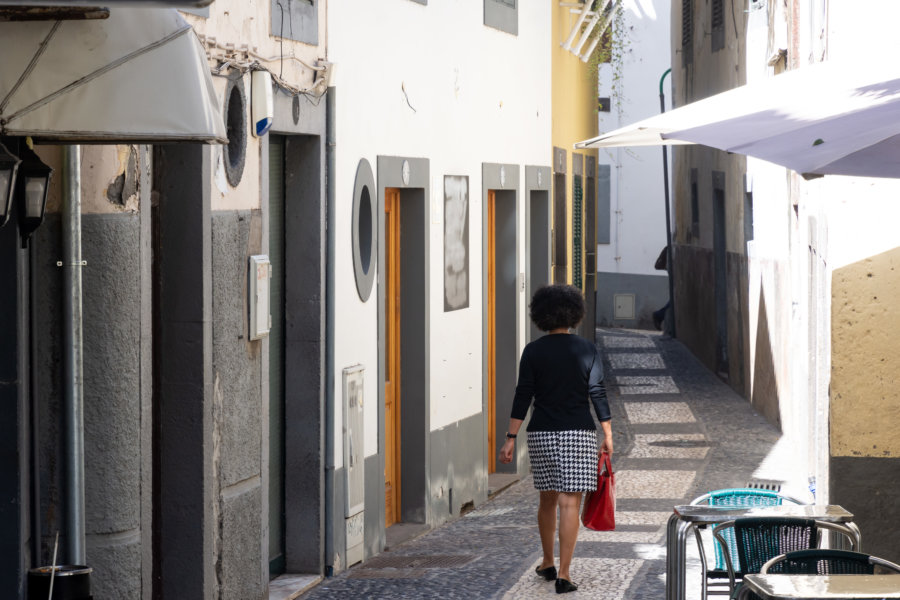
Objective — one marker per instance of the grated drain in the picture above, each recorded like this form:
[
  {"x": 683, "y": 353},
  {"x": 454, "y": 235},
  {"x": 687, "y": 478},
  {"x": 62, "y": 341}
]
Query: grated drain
[
  {"x": 364, "y": 573},
  {"x": 682, "y": 443},
  {"x": 435, "y": 561},
  {"x": 492, "y": 512}
]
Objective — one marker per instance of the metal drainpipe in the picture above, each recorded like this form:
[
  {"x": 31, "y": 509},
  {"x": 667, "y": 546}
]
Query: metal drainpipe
[
  {"x": 35, "y": 414},
  {"x": 329, "y": 329},
  {"x": 72, "y": 360},
  {"x": 670, "y": 327}
]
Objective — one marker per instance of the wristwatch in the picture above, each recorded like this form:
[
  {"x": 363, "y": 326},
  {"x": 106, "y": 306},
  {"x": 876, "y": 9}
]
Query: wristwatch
[{"x": 510, "y": 436}]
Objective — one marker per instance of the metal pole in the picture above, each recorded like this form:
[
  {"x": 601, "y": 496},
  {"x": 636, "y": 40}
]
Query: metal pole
[
  {"x": 670, "y": 322},
  {"x": 36, "y": 532},
  {"x": 72, "y": 360},
  {"x": 330, "y": 142}
]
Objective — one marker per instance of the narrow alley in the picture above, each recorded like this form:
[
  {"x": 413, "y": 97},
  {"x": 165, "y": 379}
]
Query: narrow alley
[{"x": 679, "y": 432}]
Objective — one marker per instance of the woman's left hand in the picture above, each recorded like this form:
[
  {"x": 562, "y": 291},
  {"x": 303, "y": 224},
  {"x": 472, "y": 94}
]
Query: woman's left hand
[
  {"x": 607, "y": 445},
  {"x": 506, "y": 452}
]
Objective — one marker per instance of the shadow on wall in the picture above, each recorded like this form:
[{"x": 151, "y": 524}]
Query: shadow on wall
[
  {"x": 695, "y": 302},
  {"x": 765, "y": 382}
]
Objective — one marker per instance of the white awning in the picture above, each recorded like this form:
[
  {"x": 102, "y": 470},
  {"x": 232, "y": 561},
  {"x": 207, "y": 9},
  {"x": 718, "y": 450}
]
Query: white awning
[
  {"x": 139, "y": 76},
  {"x": 823, "y": 119}
]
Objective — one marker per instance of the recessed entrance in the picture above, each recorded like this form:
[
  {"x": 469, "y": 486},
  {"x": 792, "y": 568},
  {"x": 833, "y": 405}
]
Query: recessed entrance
[
  {"x": 539, "y": 248},
  {"x": 720, "y": 267},
  {"x": 404, "y": 351},
  {"x": 500, "y": 323}
]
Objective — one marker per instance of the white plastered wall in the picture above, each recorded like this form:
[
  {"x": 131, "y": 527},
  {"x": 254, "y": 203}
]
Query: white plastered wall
[
  {"x": 853, "y": 218},
  {"x": 637, "y": 207},
  {"x": 248, "y": 22},
  {"x": 431, "y": 81}
]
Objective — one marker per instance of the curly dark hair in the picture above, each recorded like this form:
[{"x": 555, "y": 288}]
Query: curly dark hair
[{"x": 555, "y": 306}]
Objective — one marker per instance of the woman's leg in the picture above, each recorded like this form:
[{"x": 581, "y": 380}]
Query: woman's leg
[
  {"x": 547, "y": 525},
  {"x": 569, "y": 504}
]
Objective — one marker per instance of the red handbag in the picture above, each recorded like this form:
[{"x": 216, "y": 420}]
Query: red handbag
[{"x": 599, "y": 511}]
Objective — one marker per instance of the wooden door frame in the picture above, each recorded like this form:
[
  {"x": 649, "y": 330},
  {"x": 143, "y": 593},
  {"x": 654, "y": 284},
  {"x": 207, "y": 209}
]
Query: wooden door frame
[
  {"x": 392, "y": 339},
  {"x": 491, "y": 324}
]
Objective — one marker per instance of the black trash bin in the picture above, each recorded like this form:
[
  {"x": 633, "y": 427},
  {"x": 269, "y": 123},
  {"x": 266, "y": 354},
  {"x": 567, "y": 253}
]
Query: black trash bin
[{"x": 71, "y": 582}]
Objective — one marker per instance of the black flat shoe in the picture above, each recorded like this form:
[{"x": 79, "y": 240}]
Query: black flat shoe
[
  {"x": 549, "y": 573},
  {"x": 564, "y": 585}
]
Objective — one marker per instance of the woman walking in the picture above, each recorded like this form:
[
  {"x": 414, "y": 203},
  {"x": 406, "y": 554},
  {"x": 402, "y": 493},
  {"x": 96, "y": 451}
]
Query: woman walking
[{"x": 560, "y": 371}]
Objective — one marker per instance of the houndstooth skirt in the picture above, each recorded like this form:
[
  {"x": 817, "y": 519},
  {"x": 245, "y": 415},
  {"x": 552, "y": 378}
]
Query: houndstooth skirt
[{"x": 563, "y": 461}]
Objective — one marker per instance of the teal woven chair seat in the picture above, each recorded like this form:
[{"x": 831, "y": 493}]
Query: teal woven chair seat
[{"x": 737, "y": 497}]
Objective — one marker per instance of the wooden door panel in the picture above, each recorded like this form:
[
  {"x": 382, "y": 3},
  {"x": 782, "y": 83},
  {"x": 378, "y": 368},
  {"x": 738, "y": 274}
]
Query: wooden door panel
[{"x": 392, "y": 357}]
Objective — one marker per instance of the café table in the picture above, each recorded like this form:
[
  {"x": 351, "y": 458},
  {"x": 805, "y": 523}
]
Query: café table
[
  {"x": 685, "y": 516},
  {"x": 821, "y": 587}
]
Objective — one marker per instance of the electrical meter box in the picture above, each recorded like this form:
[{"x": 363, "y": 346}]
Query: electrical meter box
[
  {"x": 260, "y": 277},
  {"x": 354, "y": 462}
]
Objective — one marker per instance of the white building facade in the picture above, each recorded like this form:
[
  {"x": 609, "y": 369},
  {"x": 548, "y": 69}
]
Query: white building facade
[
  {"x": 631, "y": 228},
  {"x": 804, "y": 326},
  {"x": 442, "y": 128}
]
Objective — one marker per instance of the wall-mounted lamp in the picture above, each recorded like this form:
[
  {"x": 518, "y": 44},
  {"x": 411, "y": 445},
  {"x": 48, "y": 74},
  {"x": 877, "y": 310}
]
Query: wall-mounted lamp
[
  {"x": 9, "y": 165},
  {"x": 32, "y": 188}
]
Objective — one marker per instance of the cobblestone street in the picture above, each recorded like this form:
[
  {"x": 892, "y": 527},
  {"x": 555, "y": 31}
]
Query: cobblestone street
[{"x": 679, "y": 431}]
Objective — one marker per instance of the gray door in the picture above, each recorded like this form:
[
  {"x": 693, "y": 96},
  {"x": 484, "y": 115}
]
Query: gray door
[
  {"x": 590, "y": 250},
  {"x": 560, "y": 230},
  {"x": 720, "y": 266},
  {"x": 276, "y": 357},
  {"x": 539, "y": 250}
]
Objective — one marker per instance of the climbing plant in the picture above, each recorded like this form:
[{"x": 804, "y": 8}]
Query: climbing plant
[{"x": 614, "y": 45}]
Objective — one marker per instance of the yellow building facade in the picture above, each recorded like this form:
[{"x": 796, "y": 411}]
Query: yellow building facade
[{"x": 574, "y": 106}]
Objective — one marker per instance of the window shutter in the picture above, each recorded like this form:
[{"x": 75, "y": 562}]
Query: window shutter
[
  {"x": 577, "y": 246},
  {"x": 718, "y": 25},
  {"x": 687, "y": 32}
]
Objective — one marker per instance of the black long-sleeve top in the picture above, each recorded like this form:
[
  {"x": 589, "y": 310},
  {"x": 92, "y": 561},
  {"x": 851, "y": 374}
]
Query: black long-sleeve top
[{"x": 560, "y": 371}]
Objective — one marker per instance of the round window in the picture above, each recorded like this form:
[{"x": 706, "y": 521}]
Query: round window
[
  {"x": 364, "y": 229},
  {"x": 235, "y": 152}
]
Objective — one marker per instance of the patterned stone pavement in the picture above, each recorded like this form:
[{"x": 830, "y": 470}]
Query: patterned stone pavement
[{"x": 679, "y": 431}]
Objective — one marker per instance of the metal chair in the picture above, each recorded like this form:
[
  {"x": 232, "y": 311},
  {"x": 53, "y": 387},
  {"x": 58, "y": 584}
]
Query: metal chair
[
  {"x": 758, "y": 540},
  {"x": 821, "y": 561},
  {"x": 737, "y": 497}
]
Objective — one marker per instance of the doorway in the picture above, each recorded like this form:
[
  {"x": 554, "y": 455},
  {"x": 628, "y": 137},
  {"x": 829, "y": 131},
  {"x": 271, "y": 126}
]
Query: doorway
[
  {"x": 295, "y": 213},
  {"x": 590, "y": 248},
  {"x": 720, "y": 267},
  {"x": 500, "y": 322},
  {"x": 276, "y": 356},
  {"x": 539, "y": 248},
  {"x": 405, "y": 354}
]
